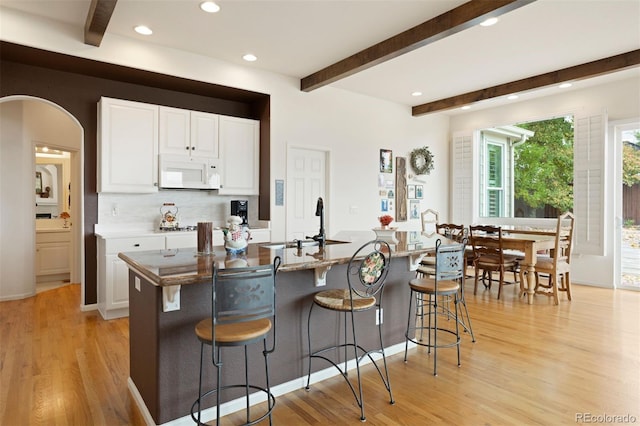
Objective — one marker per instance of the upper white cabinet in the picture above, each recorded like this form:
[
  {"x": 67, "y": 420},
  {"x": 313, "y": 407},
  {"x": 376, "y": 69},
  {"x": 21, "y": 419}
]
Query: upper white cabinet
[
  {"x": 204, "y": 134},
  {"x": 127, "y": 146},
  {"x": 185, "y": 132},
  {"x": 239, "y": 154},
  {"x": 132, "y": 135}
]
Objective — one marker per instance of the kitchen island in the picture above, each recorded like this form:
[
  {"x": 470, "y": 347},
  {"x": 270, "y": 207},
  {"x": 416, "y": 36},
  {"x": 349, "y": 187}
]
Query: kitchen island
[{"x": 170, "y": 292}]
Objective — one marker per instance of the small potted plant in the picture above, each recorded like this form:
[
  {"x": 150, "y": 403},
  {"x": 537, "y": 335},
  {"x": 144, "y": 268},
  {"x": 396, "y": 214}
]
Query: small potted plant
[
  {"x": 385, "y": 232},
  {"x": 65, "y": 216},
  {"x": 385, "y": 220}
]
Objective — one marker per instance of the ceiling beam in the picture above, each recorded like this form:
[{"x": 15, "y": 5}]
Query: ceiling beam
[
  {"x": 98, "y": 18},
  {"x": 462, "y": 17},
  {"x": 578, "y": 72}
]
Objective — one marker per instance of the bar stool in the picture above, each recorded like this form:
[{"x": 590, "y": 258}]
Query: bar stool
[
  {"x": 243, "y": 311},
  {"x": 366, "y": 274},
  {"x": 446, "y": 281}
]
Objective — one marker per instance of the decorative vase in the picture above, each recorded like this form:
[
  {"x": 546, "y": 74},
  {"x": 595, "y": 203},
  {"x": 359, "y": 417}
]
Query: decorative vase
[{"x": 387, "y": 234}]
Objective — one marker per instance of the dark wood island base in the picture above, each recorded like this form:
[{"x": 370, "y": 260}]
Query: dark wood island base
[{"x": 164, "y": 351}]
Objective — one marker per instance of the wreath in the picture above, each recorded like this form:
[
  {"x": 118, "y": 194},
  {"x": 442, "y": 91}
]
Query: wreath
[{"x": 421, "y": 160}]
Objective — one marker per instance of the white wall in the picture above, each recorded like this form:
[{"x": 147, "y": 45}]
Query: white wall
[
  {"x": 17, "y": 230},
  {"x": 621, "y": 100},
  {"x": 142, "y": 211}
]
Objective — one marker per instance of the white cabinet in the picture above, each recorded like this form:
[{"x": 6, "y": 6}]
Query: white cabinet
[
  {"x": 127, "y": 146},
  {"x": 190, "y": 239},
  {"x": 204, "y": 134},
  {"x": 113, "y": 273},
  {"x": 190, "y": 133},
  {"x": 240, "y": 155},
  {"x": 182, "y": 240},
  {"x": 53, "y": 252}
]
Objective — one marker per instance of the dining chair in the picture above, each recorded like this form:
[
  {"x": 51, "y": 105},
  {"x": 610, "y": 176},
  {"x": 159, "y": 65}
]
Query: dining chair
[
  {"x": 243, "y": 312},
  {"x": 557, "y": 265},
  {"x": 429, "y": 224},
  {"x": 446, "y": 281},
  {"x": 489, "y": 257},
  {"x": 367, "y": 272},
  {"x": 428, "y": 220}
]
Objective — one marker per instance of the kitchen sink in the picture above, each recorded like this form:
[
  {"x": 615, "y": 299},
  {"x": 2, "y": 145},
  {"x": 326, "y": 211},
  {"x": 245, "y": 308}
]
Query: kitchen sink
[{"x": 294, "y": 244}]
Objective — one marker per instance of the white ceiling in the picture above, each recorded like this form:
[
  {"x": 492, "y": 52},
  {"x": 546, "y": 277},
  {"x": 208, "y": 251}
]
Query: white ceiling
[{"x": 299, "y": 37}]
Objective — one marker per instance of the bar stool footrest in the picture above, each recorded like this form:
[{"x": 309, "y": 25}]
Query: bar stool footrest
[{"x": 270, "y": 397}]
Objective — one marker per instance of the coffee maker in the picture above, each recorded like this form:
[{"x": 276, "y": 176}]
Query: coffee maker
[{"x": 240, "y": 208}]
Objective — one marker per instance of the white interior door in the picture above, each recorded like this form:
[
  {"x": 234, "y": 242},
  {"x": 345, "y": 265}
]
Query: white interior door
[{"x": 306, "y": 181}]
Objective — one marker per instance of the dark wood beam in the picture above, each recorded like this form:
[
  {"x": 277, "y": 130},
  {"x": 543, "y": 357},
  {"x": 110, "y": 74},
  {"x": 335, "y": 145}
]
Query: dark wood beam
[
  {"x": 98, "y": 18},
  {"x": 449, "y": 23},
  {"x": 578, "y": 72}
]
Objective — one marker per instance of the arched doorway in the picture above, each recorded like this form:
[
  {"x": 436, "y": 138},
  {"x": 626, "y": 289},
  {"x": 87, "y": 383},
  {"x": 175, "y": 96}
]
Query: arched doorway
[{"x": 25, "y": 122}]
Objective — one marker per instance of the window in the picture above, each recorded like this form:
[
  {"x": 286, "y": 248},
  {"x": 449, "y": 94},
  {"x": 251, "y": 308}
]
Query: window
[
  {"x": 526, "y": 169},
  {"x": 581, "y": 181},
  {"x": 494, "y": 184}
]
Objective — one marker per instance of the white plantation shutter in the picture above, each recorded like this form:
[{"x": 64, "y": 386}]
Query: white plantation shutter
[
  {"x": 462, "y": 178},
  {"x": 588, "y": 186}
]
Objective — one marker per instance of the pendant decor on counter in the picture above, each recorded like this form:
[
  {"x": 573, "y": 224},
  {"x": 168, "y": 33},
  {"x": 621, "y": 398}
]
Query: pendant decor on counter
[
  {"x": 421, "y": 161},
  {"x": 236, "y": 236},
  {"x": 169, "y": 216},
  {"x": 387, "y": 234},
  {"x": 205, "y": 238}
]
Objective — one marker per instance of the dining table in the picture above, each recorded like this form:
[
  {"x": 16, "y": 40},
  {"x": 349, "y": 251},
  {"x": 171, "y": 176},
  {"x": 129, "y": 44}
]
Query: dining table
[{"x": 530, "y": 243}]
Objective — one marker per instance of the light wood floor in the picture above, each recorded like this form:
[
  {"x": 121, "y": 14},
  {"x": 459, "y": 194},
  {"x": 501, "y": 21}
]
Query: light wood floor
[{"x": 540, "y": 364}]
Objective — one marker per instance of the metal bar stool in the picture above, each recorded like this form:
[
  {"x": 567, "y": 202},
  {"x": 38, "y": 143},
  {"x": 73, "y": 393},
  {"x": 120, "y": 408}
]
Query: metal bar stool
[
  {"x": 366, "y": 274},
  {"x": 446, "y": 281},
  {"x": 243, "y": 311}
]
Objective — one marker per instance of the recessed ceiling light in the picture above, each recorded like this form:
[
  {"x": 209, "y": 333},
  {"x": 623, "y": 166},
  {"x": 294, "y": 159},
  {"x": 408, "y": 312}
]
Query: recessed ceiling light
[
  {"x": 489, "y": 22},
  {"x": 416, "y": 94},
  {"x": 209, "y": 6},
  {"x": 564, "y": 85},
  {"x": 143, "y": 29},
  {"x": 250, "y": 57},
  {"x": 465, "y": 107},
  {"x": 512, "y": 97}
]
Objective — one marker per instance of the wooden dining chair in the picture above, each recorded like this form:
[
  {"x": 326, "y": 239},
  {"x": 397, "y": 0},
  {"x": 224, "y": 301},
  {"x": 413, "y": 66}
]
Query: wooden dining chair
[
  {"x": 429, "y": 224},
  {"x": 558, "y": 264},
  {"x": 428, "y": 220},
  {"x": 489, "y": 257}
]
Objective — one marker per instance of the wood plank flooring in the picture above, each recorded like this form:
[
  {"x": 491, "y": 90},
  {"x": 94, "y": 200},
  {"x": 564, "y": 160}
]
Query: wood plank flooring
[{"x": 532, "y": 364}]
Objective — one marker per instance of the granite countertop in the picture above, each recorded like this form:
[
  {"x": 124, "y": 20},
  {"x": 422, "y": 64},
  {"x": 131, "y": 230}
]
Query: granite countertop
[
  {"x": 138, "y": 232},
  {"x": 186, "y": 266}
]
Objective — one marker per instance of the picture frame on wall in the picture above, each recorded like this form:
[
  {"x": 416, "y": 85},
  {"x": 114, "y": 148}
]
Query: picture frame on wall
[
  {"x": 38, "y": 182},
  {"x": 414, "y": 209},
  {"x": 419, "y": 192},
  {"x": 411, "y": 191},
  {"x": 386, "y": 161}
]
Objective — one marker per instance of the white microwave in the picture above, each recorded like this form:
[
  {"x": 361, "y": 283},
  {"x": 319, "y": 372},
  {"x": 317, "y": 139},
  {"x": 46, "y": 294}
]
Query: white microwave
[{"x": 177, "y": 172}]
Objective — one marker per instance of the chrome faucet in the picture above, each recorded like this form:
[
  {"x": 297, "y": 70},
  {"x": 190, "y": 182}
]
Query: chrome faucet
[{"x": 320, "y": 237}]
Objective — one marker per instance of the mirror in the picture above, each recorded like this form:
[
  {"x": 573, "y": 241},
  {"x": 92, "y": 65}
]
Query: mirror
[{"x": 51, "y": 183}]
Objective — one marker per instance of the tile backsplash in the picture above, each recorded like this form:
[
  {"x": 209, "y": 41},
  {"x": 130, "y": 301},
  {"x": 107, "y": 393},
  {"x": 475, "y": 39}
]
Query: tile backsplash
[{"x": 143, "y": 210}]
